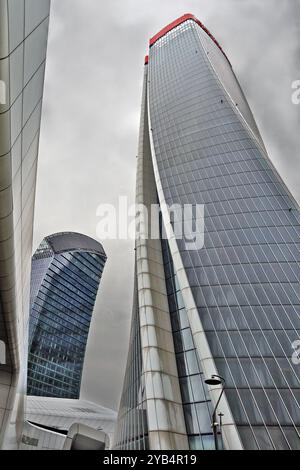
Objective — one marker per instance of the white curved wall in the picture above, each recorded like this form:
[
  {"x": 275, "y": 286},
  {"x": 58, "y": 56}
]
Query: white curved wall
[{"x": 23, "y": 43}]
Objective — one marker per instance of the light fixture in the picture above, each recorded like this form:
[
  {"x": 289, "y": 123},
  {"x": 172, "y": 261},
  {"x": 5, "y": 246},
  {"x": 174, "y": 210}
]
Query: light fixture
[{"x": 216, "y": 380}]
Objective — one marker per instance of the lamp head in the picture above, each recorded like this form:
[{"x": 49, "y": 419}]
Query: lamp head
[{"x": 214, "y": 380}]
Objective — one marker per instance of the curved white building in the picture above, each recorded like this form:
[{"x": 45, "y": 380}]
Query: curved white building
[
  {"x": 23, "y": 44},
  {"x": 62, "y": 423}
]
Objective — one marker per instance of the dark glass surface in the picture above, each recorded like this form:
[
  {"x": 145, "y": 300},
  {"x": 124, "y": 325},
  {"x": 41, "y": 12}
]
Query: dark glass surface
[
  {"x": 63, "y": 292},
  {"x": 245, "y": 280},
  {"x": 132, "y": 426},
  {"x": 197, "y": 406}
]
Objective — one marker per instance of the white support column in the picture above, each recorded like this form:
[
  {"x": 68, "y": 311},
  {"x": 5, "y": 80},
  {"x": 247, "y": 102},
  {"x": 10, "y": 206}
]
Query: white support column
[{"x": 166, "y": 425}]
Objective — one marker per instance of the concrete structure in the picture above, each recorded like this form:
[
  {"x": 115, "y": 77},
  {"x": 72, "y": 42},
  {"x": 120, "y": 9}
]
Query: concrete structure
[
  {"x": 231, "y": 306},
  {"x": 61, "y": 424},
  {"x": 23, "y": 44},
  {"x": 82, "y": 437}
]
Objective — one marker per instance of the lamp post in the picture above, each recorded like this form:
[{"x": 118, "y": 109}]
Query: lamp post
[{"x": 216, "y": 380}]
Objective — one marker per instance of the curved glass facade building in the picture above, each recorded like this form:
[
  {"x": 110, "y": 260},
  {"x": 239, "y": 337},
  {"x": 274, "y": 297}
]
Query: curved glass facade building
[
  {"x": 231, "y": 306},
  {"x": 66, "y": 271}
]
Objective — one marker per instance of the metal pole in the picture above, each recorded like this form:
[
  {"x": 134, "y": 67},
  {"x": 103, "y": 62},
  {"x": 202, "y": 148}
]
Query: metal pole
[
  {"x": 214, "y": 418},
  {"x": 215, "y": 429}
]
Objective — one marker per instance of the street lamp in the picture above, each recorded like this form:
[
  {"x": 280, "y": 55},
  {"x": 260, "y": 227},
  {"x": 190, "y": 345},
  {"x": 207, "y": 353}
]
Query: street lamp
[{"x": 216, "y": 380}]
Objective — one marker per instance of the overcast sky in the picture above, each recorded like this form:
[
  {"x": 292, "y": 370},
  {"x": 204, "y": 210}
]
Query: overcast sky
[{"x": 90, "y": 129}]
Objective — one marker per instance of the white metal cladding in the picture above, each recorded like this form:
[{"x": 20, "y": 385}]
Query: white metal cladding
[
  {"x": 60, "y": 414},
  {"x": 166, "y": 427},
  {"x": 23, "y": 43},
  {"x": 157, "y": 380}
]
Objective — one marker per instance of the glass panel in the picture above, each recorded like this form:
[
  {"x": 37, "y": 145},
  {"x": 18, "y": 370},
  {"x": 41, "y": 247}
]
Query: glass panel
[
  {"x": 16, "y": 73},
  {"x": 204, "y": 417},
  {"x": 292, "y": 437},
  {"x": 33, "y": 93},
  {"x": 195, "y": 443},
  {"x": 35, "y": 50},
  {"x": 248, "y": 438},
  {"x": 191, "y": 419},
  {"x": 197, "y": 388},
  {"x": 35, "y": 12},
  {"x": 209, "y": 443},
  {"x": 263, "y": 438},
  {"x": 16, "y": 22}
]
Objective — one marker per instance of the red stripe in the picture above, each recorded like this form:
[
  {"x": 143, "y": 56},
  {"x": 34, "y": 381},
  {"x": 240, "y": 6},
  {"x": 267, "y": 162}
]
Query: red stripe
[
  {"x": 175, "y": 23},
  {"x": 146, "y": 59}
]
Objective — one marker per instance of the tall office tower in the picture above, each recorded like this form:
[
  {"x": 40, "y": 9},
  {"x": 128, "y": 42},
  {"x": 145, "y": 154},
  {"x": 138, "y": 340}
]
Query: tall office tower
[
  {"x": 231, "y": 306},
  {"x": 66, "y": 271},
  {"x": 23, "y": 44}
]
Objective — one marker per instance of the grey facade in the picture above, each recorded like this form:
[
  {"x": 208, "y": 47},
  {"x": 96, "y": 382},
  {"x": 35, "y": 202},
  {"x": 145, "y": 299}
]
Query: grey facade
[
  {"x": 66, "y": 272},
  {"x": 23, "y": 44},
  {"x": 231, "y": 307},
  {"x": 132, "y": 431}
]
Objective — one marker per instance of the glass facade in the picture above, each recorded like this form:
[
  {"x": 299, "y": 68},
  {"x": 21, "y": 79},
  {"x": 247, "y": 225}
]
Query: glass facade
[
  {"x": 195, "y": 395},
  {"x": 243, "y": 285},
  {"x": 132, "y": 428},
  {"x": 23, "y": 45},
  {"x": 66, "y": 271}
]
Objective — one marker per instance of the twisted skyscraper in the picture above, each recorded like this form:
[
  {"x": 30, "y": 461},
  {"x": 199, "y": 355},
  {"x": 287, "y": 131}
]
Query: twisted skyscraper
[
  {"x": 66, "y": 272},
  {"x": 230, "y": 307}
]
